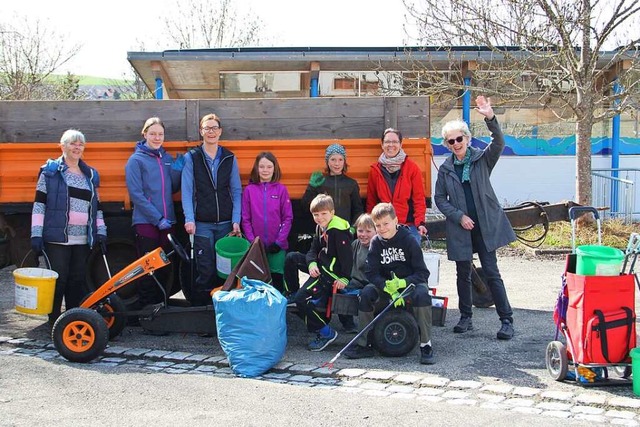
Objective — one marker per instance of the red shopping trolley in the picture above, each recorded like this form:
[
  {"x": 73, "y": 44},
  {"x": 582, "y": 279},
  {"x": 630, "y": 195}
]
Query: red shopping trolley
[{"x": 596, "y": 316}]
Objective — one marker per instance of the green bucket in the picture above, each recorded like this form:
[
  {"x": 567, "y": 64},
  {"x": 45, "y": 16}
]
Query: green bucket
[
  {"x": 594, "y": 260},
  {"x": 229, "y": 250},
  {"x": 635, "y": 369}
]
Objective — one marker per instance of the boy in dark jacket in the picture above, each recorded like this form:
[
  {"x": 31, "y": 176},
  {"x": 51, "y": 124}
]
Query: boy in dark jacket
[
  {"x": 329, "y": 262},
  {"x": 394, "y": 261}
]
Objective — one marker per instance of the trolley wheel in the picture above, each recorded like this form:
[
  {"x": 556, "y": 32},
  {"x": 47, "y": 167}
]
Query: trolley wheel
[
  {"x": 557, "y": 360},
  {"x": 396, "y": 333},
  {"x": 80, "y": 335},
  {"x": 622, "y": 371},
  {"x": 113, "y": 311}
]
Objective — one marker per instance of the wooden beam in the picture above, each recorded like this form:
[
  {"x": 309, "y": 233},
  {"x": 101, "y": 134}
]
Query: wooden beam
[
  {"x": 391, "y": 113},
  {"x": 468, "y": 67},
  {"x": 159, "y": 71}
]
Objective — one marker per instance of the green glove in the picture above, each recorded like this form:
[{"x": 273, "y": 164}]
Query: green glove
[
  {"x": 399, "y": 302},
  {"x": 317, "y": 179},
  {"x": 394, "y": 285},
  {"x": 401, "y": 283},
  {"x": 391, "y": 287}
]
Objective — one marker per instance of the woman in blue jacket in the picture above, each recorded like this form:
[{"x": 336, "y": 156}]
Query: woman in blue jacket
[
  {"x": 66, "y": 220},
  {"x": 152, "y": 176}
]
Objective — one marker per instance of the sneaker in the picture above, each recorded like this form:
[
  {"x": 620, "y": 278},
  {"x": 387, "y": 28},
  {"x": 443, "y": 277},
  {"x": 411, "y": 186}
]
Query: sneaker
[
  {"x": 426, "y": 355},
  {"x": 358, "y": 352},
  {"x": 464, "y": 325},
  {"x": 320, "y": 343},
  {"x": 506, "y": 330}
]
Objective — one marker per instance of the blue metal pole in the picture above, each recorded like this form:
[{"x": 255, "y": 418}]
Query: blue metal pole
[
  {"x": 158, "y": 91},
  {"x": 615, "y": 150},
  {"x": 466, "y": 102},
  {"x": 314, "y": 88}
]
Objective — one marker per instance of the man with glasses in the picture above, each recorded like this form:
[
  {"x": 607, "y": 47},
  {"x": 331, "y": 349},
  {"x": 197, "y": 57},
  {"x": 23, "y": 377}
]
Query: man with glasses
[
  {"x": 476, "y": 223},
  {"x": 397, "y": 179},
  {"x": 211, "y": 200}
]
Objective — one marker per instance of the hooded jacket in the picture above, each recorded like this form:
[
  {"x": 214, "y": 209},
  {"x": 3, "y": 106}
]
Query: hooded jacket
[
  {"x": 494, "y": 225},
  {"x": 408, "y": 197},
  {"x": 331, "y": 250},
  {"x": 151, "y": 181},
  {"x": 345, "y": 193},
  {"x": 266, "y": 212},
  {"x": 400, "y": 254}
]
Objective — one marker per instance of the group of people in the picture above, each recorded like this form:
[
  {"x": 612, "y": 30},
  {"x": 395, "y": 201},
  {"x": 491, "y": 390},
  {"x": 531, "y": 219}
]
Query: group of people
[{"x": 378, "y": 265}]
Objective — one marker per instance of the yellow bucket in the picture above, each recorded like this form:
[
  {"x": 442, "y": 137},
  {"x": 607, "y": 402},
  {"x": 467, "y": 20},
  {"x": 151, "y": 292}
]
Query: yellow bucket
[{"x": 34, "y": 290}]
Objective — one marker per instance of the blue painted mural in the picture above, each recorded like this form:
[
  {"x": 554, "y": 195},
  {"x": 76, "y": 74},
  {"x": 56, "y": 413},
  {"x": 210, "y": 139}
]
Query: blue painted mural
[{"x": 565, "y": 146}]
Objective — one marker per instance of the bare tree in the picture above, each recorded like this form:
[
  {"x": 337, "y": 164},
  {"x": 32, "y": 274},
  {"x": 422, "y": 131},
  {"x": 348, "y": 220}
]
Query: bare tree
[
  {"x": 549, "y": 51},
  {"x": 30, "y": 53},
  {"x": 210, "y": 24}
]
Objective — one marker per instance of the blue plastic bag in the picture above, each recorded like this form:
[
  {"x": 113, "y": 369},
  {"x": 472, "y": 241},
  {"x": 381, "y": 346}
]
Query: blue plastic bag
[{"x": 252, "y": 326}]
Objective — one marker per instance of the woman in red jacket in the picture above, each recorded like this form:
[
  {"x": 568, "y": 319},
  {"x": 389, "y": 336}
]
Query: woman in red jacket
[{"x": 397, "y": 179}]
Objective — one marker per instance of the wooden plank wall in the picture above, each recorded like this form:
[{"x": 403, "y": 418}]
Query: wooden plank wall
[
  {"x": 297, "y": 131},
  {"x": 246, "y": 119}
]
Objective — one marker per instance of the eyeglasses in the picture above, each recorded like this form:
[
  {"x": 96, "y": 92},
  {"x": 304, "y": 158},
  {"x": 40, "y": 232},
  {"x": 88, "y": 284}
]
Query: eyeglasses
[
  {"x": 390, "y": 142},
  {"x": 211, "y": 129},
  {"x": 453, "y": 141}
]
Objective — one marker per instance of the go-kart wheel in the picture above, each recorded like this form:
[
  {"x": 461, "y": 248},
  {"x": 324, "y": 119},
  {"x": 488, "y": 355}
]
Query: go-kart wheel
[
  {"x": 80, "y": 335},
  {"x": 114, "y": 312},
  {"x": 480, "y": 292},
  {"x": 396, "y": 333},
  {"x": 177, "y": 247},
  {"x": 557, "y": 360}
]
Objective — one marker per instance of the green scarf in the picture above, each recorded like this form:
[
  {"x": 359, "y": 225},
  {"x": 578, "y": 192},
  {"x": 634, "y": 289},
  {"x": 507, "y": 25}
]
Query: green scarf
[{"x": 466, "y": 161}]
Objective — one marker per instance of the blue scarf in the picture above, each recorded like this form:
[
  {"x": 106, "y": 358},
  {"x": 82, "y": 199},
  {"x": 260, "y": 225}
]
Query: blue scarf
[{"x": 466, "y": 161}]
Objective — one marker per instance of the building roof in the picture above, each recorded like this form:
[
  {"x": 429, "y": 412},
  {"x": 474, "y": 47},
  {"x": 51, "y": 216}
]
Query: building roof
[{"x": 194, "y": 73}]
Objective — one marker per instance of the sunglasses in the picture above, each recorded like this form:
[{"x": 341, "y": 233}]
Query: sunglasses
[{"x": 453, "y": 141}]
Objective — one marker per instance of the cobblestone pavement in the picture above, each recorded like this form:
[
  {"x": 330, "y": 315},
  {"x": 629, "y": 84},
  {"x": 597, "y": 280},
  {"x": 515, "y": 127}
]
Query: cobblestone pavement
[
  {"x": 578, "y": 405},
  {"x": 472, "y": 369}
]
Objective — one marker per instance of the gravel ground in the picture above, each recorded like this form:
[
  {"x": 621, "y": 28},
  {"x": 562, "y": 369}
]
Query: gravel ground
[{"x": 532, "y": 284}]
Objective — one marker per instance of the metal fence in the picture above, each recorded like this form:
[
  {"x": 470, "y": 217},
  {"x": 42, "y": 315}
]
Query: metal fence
[{"x": 616, "y": 189}]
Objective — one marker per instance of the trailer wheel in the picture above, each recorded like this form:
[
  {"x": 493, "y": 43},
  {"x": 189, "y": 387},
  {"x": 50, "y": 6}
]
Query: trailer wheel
[
  {"x": 480, "y": 292},
  {"x": 396, "y": 333},
  {"x": 557, "y": 360},
  {"x": 80, "y": 335},
  {"x": 114, "y": 311}
]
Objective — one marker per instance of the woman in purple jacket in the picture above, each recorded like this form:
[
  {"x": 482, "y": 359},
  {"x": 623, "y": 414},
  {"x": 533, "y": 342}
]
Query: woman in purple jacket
[{"x": 266, "y": 212}]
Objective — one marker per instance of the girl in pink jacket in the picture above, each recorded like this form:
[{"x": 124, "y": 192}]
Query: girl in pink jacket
[{"x": 267, "y": 213}]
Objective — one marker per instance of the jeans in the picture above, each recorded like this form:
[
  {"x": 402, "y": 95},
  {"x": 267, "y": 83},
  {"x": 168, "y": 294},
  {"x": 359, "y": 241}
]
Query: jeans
[
  {"x": 207, "y": 234},
  {"x": 489, "y": 263},
  {"x": 415, "y": 233}
]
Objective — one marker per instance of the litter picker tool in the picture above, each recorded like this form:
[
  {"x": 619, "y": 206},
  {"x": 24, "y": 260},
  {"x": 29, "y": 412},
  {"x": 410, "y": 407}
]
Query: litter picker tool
[
  {"x": 103, "y": 249},
  {"x": 364, "y": 330},
  {"x": 633, "y": 247},
  {"x": 192, "y": 264}
]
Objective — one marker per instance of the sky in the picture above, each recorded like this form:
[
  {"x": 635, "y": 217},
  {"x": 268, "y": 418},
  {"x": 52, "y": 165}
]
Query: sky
[{"x": 107, "y": 32}]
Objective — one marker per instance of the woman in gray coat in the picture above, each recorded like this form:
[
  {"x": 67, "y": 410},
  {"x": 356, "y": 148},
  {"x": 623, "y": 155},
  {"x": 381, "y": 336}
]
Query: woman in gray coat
[{"x": 476, "y": 223}]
